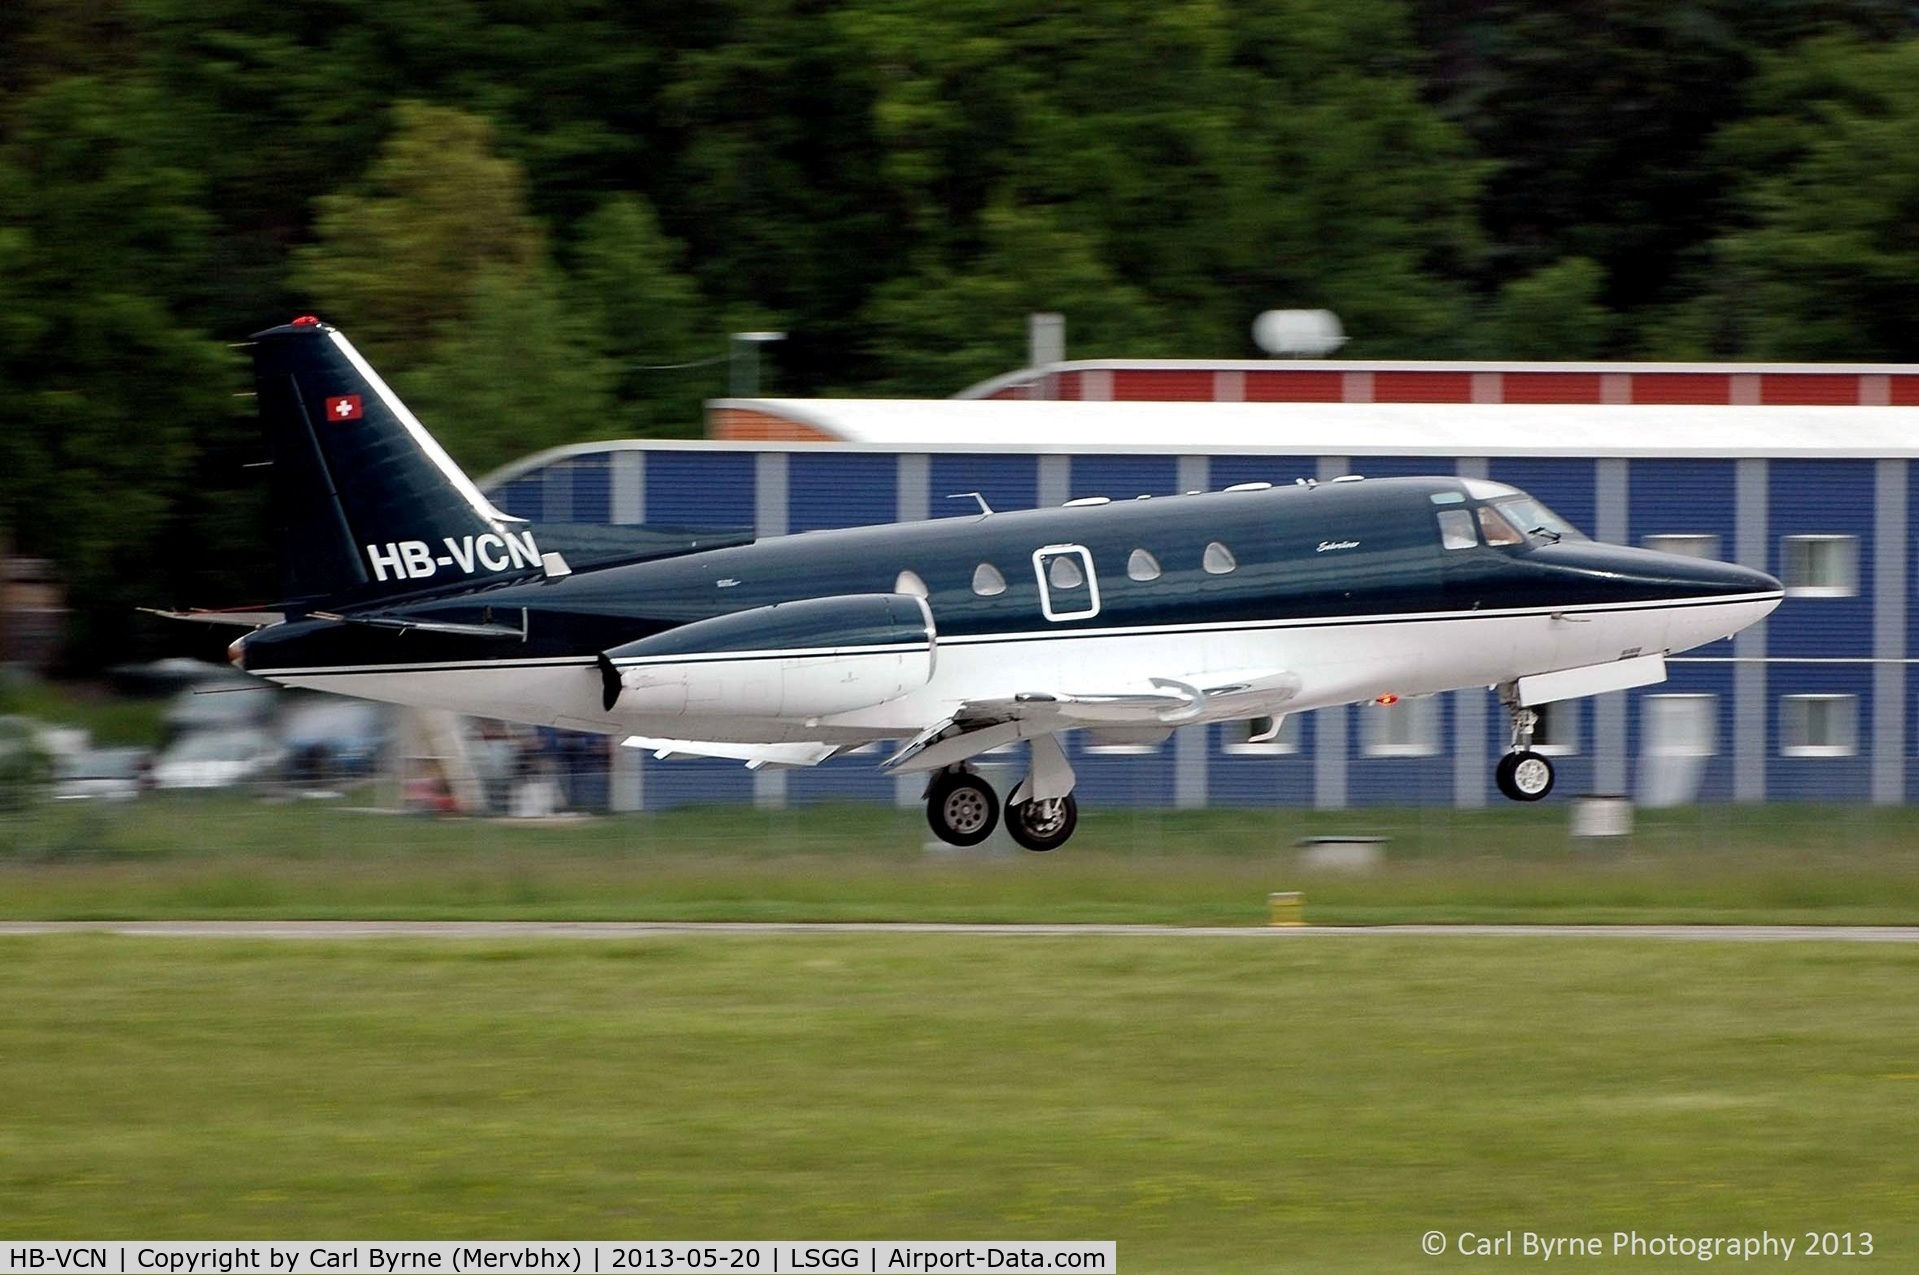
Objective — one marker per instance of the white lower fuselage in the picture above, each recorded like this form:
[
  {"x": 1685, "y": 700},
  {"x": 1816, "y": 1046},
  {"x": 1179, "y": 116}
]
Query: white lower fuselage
[{"x": 1335, "y": 661}]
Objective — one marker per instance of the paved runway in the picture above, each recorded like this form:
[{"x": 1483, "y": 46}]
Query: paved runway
[{"x": 601, "y": 930}]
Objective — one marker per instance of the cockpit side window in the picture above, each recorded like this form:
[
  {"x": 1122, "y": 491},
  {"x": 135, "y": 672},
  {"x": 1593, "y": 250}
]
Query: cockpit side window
[
  {"x": 1456, "y": 529},
  {"x": 1493, "y": 525}
]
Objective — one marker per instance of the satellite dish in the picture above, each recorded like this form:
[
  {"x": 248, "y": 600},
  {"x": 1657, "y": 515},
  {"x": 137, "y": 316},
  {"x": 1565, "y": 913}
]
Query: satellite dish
[{"x": 1299, "y": 334}]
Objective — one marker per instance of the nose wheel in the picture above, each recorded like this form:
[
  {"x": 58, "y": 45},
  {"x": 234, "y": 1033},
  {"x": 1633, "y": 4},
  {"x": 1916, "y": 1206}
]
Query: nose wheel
[
  {"x": 961, "y": 808},
  {"x": 1522, "y": 774}
]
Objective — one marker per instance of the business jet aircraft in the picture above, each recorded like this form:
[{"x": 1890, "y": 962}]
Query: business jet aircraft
[{"x": 957, "y": 635}]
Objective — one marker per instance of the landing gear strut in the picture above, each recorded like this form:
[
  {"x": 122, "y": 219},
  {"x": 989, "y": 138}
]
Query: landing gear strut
[
  {"x": 1522, "y": 774},
  {"x": 961, "y": 808},
  {"x": 1040, "y": 812}
]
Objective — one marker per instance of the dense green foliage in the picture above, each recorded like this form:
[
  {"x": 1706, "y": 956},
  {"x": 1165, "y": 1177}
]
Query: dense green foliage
[{"x": 543, "y": 219}]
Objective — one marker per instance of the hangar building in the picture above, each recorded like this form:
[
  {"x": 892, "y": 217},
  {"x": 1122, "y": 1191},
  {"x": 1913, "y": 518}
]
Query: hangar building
[{"x": 1800, "y": 471}]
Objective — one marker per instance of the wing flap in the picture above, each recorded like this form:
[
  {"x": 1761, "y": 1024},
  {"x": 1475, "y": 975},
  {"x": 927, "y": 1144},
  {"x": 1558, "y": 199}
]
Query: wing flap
[
  {"x": 980, "y": 725},
  {"x": 754, "y": 755}
]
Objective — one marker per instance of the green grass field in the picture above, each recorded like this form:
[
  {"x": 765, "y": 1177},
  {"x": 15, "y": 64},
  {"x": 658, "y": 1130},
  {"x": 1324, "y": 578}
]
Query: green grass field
[
  {"x": 227, "y": 857},
  {"x": 1214, "y": 1105}
]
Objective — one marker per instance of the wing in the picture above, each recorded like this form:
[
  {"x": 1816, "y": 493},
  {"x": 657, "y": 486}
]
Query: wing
[
  {"x": 980, "y": 725},
  {"x": 754, "y": 755}
]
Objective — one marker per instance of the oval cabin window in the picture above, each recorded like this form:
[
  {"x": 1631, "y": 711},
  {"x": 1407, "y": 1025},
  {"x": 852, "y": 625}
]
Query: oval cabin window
[
  {"x": 1142, "y": 566},
  {"x": 987, "y": 581},
  {"x": 1218, "y": 559},
  {"x": 1064, "y": 573},
  {"x": 910, "y": 582}
]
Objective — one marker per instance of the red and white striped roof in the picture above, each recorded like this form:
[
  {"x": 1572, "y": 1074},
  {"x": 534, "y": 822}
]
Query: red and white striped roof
[{"x": 1350, "y": 381}]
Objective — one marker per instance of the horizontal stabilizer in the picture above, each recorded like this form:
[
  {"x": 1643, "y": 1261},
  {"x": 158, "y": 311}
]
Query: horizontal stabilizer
[
  {"x": 590, "y": 546},
  {"x": 392, "y": 620},
  {"x": 240, "y": 616}
]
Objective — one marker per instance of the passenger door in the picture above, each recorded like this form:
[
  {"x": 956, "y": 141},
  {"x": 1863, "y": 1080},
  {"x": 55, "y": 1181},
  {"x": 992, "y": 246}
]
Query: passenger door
[{"x": 1068, "y": 588}]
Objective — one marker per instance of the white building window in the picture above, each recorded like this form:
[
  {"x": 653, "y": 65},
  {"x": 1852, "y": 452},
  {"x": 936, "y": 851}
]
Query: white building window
[
  {"x": 1408, "y": 728},
  {"x": 1556, "y": 733},
  {"x": 1681, "y": 725},
  {"x": 1687, "y": 544},
  {"x": 1820, "y": 566},
  {"x": 1818, "y": 725},
  {"x": 1261, "y": 737}
]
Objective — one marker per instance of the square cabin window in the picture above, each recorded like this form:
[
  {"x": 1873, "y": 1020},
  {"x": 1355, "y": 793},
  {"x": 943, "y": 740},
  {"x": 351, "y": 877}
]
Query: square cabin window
[
  {"x": 1409, "y": 728},
  {"x": 1687, "y": 544},
  {"x": 1256, "y": 737},
  {"x": 1818, "y": 725},
  {"x": 1820, "y": 566}
]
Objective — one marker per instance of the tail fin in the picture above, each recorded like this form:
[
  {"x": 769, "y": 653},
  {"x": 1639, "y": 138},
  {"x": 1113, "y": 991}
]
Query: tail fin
[{"x": 370, "y": 505}]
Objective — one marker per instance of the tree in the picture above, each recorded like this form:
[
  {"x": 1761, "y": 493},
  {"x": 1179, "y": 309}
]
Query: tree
[
  {"x": 646, "y": 319},
  {"x": 947, "y": 328},
  {"x": 1217, "y": 160},
  {"x": 109, "y": 393},
  {"x": 396, "y": 261},
  {"x": 1552, "y": 313},
  {"x": 436, "y": 268},
  {"x": 519, "y": 374},
  {"x": 1828, "y": 267},
  {"x": 1597, "y": 121}
]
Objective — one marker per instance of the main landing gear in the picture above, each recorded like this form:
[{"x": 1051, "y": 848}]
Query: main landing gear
[
  {"x": 962, "y": 810},
  {"x": 1522, "y": 774}
]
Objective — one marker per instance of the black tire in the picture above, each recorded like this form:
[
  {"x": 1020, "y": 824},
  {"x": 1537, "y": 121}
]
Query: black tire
[
  {"x": 1524, "y": 776},
  {"x": 1042, "y": 825},
  {"x": 961, "y": 809}
]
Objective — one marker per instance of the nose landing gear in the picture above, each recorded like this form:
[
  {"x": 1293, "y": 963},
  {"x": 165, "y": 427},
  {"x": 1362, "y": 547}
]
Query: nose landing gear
[{"x": 1522, "y": 774}]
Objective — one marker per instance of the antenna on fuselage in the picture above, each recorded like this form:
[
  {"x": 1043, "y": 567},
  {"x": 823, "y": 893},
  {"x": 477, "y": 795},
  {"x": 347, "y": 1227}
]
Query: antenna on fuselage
[{"x": 984, "y": 508}]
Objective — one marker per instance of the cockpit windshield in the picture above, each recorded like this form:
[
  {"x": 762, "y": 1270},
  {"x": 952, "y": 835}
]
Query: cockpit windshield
[
  {"x": 1504, "y": 517},
  {"x": 1532, "y": 519}
]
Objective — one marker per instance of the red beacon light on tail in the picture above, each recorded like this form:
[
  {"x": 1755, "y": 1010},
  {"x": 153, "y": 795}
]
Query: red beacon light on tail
[{"x": 307, "y": 321}]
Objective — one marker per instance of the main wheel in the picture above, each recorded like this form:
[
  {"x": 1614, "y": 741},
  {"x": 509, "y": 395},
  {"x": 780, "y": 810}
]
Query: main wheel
[
  {"x": 962, "y": 809},
  {"x": 1524, "y": 776},
  {"x": 1042, "y": 825}
]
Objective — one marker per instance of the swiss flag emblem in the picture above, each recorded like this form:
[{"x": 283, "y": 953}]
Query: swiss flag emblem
[{"x": 344, "y": 408}]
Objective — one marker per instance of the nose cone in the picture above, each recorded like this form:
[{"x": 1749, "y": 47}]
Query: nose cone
[
  {"x": 1706, "y": 578},
  {"x": 1644, "y": 573}
]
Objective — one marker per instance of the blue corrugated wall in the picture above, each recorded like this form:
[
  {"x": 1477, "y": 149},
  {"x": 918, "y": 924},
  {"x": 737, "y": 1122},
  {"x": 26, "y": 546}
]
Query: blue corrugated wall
[{"x": 1812, "y": 645}]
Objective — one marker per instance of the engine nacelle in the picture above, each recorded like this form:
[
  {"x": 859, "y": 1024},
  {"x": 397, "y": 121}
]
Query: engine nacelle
[{"x": 794, "y": 659}]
